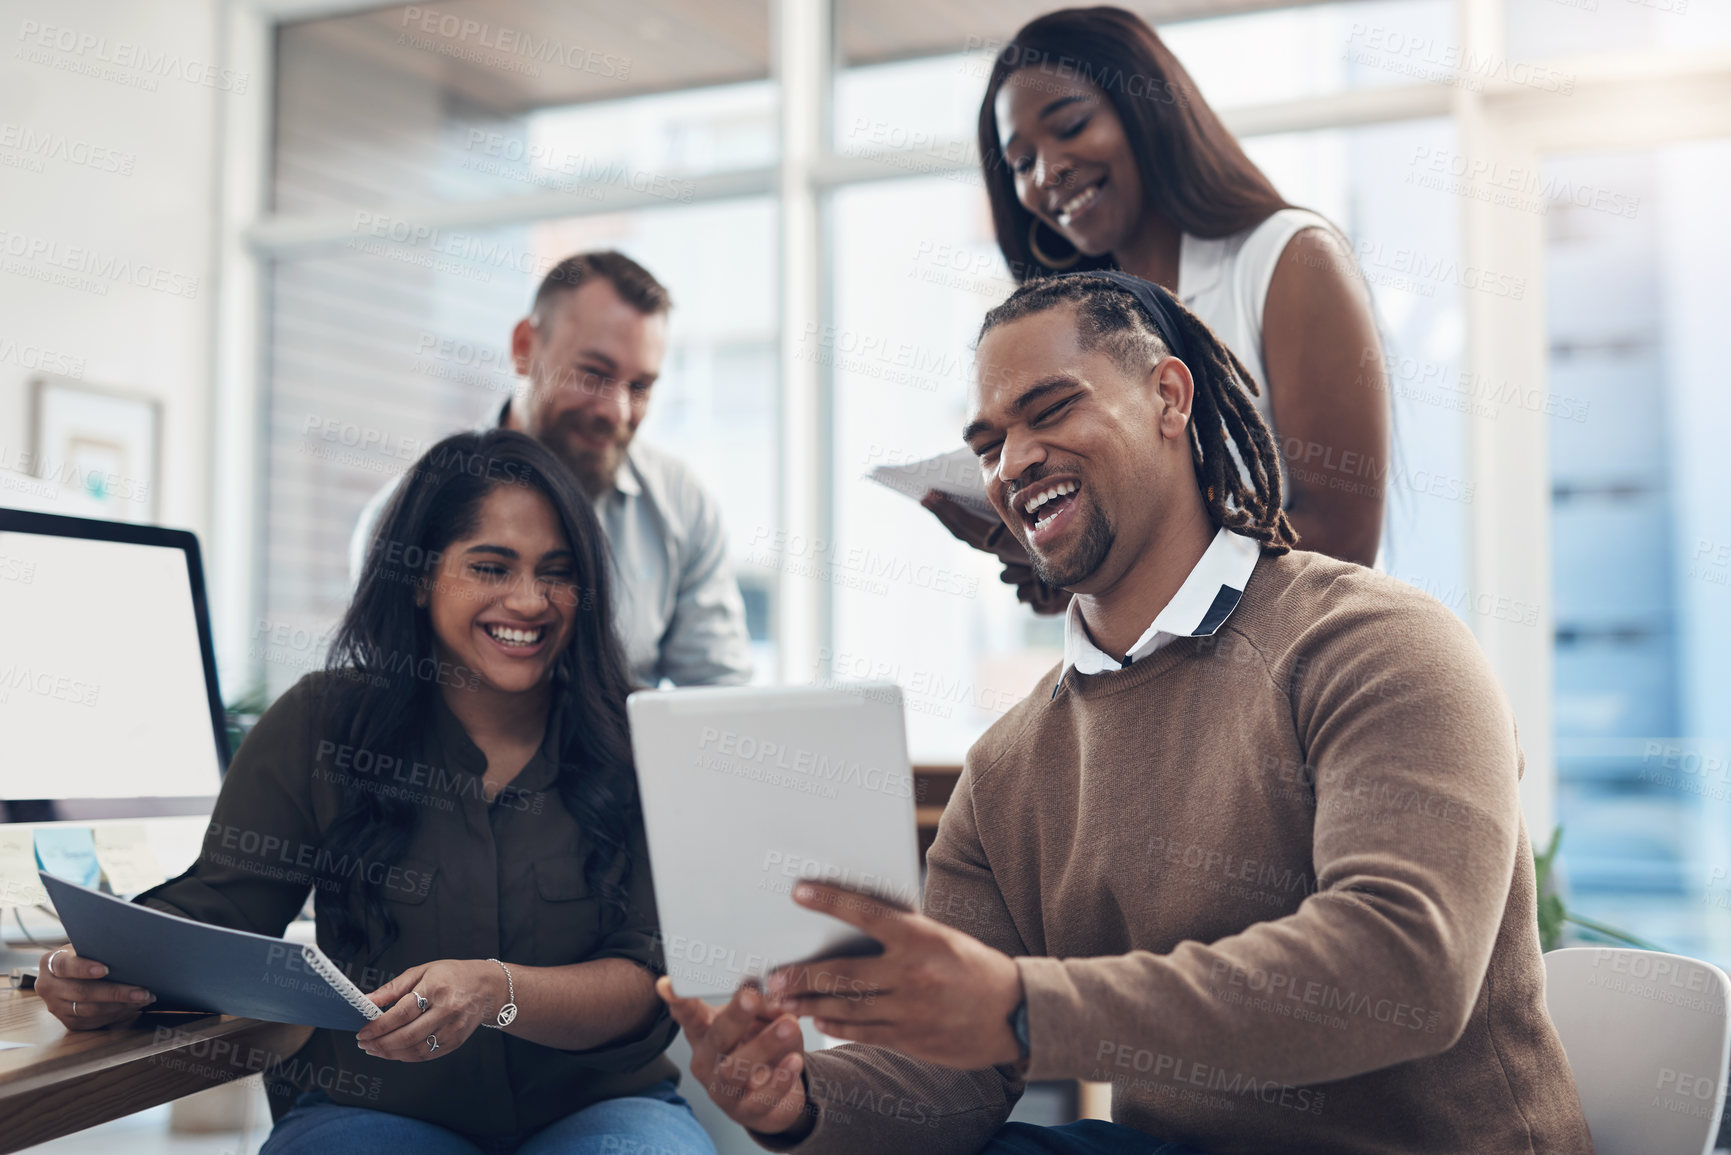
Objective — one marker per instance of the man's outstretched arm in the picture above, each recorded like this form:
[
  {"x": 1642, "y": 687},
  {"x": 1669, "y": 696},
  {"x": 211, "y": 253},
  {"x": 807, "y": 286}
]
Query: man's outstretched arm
[{"x": 938, "y": 998}]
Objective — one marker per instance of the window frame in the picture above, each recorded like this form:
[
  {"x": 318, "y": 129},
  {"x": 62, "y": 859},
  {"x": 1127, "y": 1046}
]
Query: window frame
[{"x": 1509, "y": 534}]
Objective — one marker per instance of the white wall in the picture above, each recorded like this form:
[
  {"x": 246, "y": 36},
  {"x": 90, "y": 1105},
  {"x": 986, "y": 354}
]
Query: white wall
[{"x": 108, "y": 120}]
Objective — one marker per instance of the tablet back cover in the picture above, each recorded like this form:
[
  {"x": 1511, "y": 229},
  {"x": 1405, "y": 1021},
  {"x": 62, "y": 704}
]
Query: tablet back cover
[{"x": 747, "y": 791}]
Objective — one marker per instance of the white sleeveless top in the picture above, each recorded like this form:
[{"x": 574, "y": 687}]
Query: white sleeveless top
[{"x": 1224, "y": 280}]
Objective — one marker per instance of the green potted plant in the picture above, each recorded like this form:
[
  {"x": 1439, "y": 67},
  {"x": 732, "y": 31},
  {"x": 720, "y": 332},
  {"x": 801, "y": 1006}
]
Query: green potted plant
[
  {"x": 1553, "y": 915},
  {"x": 242, "y": 715}
]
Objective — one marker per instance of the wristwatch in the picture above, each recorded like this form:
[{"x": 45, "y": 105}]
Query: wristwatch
[{"x": 1019, "y": 1028}]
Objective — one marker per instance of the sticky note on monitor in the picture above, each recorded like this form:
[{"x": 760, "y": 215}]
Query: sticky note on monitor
[
  {"x": 69, "y": 852},
  {"x": 19, "y": 885},
  {"x": 127, "y": 861}
]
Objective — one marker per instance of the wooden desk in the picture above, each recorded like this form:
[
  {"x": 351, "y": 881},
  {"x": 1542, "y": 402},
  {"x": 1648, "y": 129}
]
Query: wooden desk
[
  {"x": 75, "y": 1079},
  {"x": 70, "y": 1080}
]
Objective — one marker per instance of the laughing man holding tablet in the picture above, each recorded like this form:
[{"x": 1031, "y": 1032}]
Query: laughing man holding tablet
[{"x": 1252, "y": 852}]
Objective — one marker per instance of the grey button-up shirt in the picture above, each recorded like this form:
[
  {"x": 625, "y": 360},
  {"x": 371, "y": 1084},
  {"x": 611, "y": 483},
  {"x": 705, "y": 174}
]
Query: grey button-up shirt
[{"x": 676, "y": 602}]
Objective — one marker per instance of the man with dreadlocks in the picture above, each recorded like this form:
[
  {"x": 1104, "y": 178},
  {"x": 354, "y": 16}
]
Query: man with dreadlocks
[{"x": 1252, "y": 852}]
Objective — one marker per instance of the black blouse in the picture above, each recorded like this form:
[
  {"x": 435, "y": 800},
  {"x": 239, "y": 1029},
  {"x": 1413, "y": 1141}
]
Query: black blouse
[{"x": 479, "y": 880}]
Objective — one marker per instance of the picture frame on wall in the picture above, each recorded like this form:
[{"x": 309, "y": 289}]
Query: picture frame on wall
[{"x": 100, "y": 447}]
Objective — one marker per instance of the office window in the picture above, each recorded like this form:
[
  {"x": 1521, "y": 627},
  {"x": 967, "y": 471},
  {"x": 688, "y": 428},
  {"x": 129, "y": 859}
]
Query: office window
[
  {"x": 667, "y": 136},
  {"x": 921, "y": 114},
  {"x": 391, "y": 329},
  {"x": 915, "y": 269},
  {"x": 1640, "y": 542},
  {"x": 1309, "y": 51},
  {"x": 1406, "y": 244},
  {"x": 918, "y": 107},
  {"x": 1299, "y": 51},
  {"x": 376, "y": 353},
  {"x": 1550, "y": 29},
  {"x": 473, "y": 102}
]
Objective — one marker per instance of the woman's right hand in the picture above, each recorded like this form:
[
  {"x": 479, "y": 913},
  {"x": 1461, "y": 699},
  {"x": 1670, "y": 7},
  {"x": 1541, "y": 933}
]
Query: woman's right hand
[
  {"x": 75, "y": 992},
  {"x": 992, "y": 536}
]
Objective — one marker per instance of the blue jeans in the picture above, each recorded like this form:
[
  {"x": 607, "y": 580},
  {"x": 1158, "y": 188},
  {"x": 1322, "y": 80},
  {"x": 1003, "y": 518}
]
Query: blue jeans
[
  {"x": 655, "y": 1121},
  {"x": 1089, "y": 1137}
]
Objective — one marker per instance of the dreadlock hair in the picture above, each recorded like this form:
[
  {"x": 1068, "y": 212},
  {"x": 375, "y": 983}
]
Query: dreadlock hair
[{"x": 1242, "y": 495}]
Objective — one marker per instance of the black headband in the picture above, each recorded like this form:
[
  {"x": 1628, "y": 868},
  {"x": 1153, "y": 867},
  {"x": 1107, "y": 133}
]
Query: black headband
[{"x": 1156, "y": 302}]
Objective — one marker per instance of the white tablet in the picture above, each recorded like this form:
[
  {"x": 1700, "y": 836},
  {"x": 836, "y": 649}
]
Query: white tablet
[{"x": 748, "y": 790}]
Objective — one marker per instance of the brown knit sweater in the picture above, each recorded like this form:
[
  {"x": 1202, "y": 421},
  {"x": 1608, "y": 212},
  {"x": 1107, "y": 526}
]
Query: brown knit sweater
[{"x": 1272, "y": 884}]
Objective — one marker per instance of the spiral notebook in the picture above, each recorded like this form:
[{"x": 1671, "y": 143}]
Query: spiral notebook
[{"x": 194, "y": 966}]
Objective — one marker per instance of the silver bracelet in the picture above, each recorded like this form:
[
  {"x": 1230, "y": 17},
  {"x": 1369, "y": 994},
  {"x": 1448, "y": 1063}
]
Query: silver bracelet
[{"x": 508, "y": 1012}]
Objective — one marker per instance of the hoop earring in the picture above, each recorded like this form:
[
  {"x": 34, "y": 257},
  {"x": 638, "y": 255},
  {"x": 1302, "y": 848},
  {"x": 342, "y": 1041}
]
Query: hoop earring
[{"x": 1056, "y": 266}]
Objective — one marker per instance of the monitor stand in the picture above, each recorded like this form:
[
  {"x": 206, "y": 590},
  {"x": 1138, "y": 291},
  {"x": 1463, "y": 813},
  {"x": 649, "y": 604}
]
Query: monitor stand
[{"x": 16, "y": 950}]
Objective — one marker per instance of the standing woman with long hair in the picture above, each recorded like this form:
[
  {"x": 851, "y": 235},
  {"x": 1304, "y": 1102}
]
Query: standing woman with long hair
[
  {"x": 456, "y": 789},
  {"x": 1099, "y": 152}
]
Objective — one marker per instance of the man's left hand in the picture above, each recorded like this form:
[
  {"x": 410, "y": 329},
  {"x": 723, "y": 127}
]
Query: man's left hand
[{"x": 934, "y": 994}]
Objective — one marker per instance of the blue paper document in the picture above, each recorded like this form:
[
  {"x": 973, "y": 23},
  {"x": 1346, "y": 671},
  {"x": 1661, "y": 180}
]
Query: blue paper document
[{"x": 191, "y": 965}]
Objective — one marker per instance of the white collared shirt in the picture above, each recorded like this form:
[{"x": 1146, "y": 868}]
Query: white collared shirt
[{"x": 1201, "y": 605}]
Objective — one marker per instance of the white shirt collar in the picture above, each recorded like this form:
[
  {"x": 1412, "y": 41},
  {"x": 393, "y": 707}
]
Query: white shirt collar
[
  {"x": 1201, "y": 605},
  {"x": 625, "y": 480}
]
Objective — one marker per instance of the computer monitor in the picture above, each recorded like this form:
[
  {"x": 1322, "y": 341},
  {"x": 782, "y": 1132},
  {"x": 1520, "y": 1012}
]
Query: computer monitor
[{"x": 109, "y": 706}]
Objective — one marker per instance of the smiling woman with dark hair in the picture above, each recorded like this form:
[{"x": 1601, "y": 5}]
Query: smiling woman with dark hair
[
  {"x": 1100, "y": 153},
  {"x": 456, "y": 789}
]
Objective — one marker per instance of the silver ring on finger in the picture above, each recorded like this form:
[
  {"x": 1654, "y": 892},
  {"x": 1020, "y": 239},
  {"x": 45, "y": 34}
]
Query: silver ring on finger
[
  {"x": 432, "y": 1043},
  {"x": 420, "y": 1003},
  {"x": 75, "y": 1008},
  {"x": 54, "y": 956}
]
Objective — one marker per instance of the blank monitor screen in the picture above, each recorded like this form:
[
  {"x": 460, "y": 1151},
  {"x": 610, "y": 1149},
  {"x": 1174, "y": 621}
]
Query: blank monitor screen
[{"x": 108, "y": 700}]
